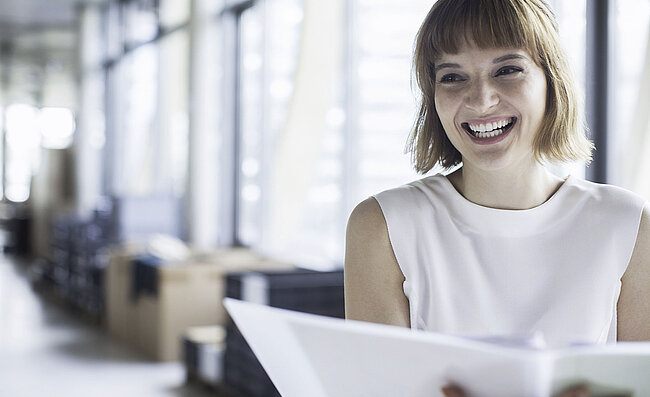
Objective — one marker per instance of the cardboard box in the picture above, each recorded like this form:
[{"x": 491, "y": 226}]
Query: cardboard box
[
  {"x": 121, "y": 309},
  {"x": 187, "y": 294}
]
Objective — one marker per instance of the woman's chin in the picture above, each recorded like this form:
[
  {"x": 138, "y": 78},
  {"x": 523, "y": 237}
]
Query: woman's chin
[{"x": 488, "y": 161}]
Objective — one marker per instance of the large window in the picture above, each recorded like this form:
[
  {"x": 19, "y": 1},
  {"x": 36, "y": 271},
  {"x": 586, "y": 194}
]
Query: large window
[
  {"x": 29, "y": 129},
  {"x": 2, "y": 141},
  {"x": 253, "y": 173},
  {"x": 135, "y": 136},
  {"x": 172, "y": 118},
  {"x": 629, "y": 102},
  {"x": 572, "y": 24},
  {"x": 291, "y": 128},
  {"x": 22, "y": 153},
  {"x": 37, "y": 98},
  {"x": 148, "y": 105}
]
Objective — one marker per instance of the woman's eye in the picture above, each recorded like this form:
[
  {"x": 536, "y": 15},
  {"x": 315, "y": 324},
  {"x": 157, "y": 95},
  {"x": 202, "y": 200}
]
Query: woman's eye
[
  {"x": 508, "y": 70},
  {"x": 450, "y": 78}
]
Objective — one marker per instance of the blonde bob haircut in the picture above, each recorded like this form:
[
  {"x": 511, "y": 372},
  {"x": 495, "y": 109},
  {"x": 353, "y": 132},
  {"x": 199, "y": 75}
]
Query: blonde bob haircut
[{"x": 524, "y": 24}]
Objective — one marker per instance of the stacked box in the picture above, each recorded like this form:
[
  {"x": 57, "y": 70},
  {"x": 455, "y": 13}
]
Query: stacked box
[
  {"x": 151, "y": 303},
  {"x": 144, "y": 278},
  {"x": 17, "y": 222},
  {"x": 244, "y": 376},
  {"x": 121, "y": 313},
  {"x": 80, "y": 246},
  {"x": 79, "y": 252},
  {"x": 203, "y": 349},
  {"x": 300, "y": 290},
  {"x": 59, "y": 271}
]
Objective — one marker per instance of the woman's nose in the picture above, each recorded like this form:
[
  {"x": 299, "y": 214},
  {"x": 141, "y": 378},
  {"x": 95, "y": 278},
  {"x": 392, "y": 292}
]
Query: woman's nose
[{"x": 481, "y": 96}]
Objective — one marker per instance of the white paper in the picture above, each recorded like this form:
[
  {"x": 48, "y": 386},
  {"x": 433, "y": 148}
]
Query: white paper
[{"x": 308, "y": 355}]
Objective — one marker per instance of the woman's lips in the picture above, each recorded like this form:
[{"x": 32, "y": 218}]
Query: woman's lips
[{"x": 484, "y": 138}]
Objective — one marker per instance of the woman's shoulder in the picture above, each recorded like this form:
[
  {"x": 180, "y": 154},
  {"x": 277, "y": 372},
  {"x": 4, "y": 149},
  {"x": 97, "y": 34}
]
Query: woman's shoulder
[
  {"x": 367, "y": 215},
  {"x": 608, "y": 195},
  {"x": 372, "y": 213},
  {"x": 402, "y": 208},
  {"x": 421, "y": 189}
]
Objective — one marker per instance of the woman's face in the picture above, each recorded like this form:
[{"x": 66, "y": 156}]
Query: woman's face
[{"x": 491, "y": 103}]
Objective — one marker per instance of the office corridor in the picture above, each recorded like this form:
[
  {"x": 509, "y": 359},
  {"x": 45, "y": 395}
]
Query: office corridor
[{"x": 46, "y": 351}]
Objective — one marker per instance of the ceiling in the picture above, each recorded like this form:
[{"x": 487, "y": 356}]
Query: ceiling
[
  {"x": 24, "y": 16},
  {"x": 38, "y": 41}
]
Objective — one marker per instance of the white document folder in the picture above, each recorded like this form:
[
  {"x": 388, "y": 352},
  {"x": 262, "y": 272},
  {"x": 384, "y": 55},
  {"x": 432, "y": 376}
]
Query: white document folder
[{"x": 313, "y": 356}]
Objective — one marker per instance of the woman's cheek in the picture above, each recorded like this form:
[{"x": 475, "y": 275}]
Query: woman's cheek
[
  {"x": 442, "y": 102},
  {"x": 446, "y": 106}
]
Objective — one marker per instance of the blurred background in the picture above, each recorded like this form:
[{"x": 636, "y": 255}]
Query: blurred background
[{"x": 157, "y": 155}]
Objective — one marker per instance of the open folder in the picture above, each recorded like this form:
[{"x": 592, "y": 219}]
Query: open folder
[{"x": 313, "y": 356}]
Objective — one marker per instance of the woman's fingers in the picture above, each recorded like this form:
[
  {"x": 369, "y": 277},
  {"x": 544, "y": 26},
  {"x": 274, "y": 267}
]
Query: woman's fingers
[
  {"x": 455, "y": 391},
  {"x": 576, "y": 391}
]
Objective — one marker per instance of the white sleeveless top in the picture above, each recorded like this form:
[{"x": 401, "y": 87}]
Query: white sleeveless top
[{"x": 476, "y": 271}]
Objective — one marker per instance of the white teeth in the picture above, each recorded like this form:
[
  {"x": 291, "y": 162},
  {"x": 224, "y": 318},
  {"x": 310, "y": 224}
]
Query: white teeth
[
  {"x": 489, "y": 134},
  {"x": 487, "y": 127}
]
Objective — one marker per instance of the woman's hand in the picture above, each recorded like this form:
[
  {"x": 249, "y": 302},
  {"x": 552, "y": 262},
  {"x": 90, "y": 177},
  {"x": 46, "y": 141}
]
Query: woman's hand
[
  {"x": 575, "y": 391},
  {"x": 452, "y": 391}
]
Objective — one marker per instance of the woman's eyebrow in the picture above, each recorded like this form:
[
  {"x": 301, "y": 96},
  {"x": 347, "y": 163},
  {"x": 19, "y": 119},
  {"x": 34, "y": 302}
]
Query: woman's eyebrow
[
  {"x": 445, "y": 65},
  {"x": 509, "y": 57},
  {"x": 500, "y": 59}
]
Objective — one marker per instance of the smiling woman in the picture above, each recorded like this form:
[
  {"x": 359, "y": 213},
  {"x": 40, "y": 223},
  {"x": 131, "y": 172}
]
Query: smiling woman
[
  {"x": 500, "y": 246},
  {"x": 531, "y": 30},
  {"x": 485, "y": 88}
]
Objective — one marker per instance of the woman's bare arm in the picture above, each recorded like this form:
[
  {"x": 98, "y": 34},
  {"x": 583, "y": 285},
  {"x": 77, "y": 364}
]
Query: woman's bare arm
[
  {"x": 634, "y": 301},
  {"x": 373, "y": 279}
]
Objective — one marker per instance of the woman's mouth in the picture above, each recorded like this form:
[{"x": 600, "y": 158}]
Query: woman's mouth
[{"x": 487, "y": 132}]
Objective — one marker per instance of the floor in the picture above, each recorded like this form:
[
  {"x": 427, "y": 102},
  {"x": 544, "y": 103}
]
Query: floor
[{"x": 46, "y": 351}]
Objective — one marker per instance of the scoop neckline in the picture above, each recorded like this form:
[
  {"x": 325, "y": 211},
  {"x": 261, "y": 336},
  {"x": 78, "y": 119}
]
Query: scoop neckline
[{"x": 460, "y": 198}]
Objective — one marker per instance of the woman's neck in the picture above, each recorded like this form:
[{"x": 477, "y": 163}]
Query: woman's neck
[{"x": 506, "y": 189}]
